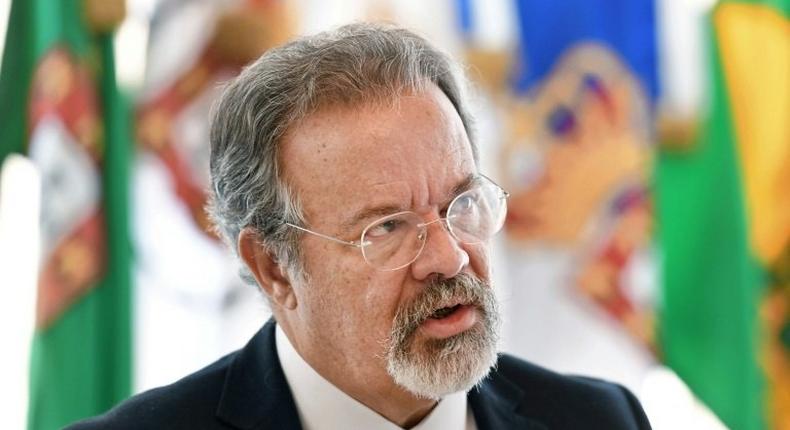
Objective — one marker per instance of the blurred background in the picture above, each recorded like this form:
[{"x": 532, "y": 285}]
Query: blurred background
[{"x": 645, "y": 144}]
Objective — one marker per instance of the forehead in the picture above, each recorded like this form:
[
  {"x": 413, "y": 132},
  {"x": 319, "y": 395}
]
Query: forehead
[{"x": 408, "y": 152}]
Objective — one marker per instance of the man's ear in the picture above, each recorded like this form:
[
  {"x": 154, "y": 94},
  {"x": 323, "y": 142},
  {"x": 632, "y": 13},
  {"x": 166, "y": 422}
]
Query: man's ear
[{"x": 267, "y": 271}]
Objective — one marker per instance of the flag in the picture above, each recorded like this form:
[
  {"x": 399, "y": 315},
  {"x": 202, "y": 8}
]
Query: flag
[
  {"x": 184, "y": 319},
  {"x": 578, "y": 163},
  {"x": 549, "y": 29},
  {"x": 724, "y": 226},
  {"x": 171, "y": 120},
  {"x": 62, "y": 109}
]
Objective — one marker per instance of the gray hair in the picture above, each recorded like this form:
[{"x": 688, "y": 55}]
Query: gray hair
[{"x": 355, "y": 64}]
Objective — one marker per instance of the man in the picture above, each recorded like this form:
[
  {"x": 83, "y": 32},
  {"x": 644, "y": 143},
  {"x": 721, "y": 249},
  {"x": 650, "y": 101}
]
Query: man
[{"x": 344, "y": 175}]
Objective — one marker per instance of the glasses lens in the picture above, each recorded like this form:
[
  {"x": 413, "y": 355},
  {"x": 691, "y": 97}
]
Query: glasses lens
[
  {"x": 477, "y": 214},
  {"x": 393, "y": 242}
]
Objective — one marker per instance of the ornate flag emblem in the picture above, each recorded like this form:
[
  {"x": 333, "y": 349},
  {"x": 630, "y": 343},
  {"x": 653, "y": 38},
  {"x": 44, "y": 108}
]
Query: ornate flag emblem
[
  {"x": 578, "y": 165},
  {"x": 66, "y": 144}
]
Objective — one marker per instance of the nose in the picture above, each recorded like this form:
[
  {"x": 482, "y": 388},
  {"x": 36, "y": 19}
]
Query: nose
[{"x": 442, "y": 254}]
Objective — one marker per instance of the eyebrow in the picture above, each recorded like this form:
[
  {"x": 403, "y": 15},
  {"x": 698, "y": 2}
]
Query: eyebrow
[
  {"x": 370, "y": 212},
  {"x": 462, "y": 186},
  {"x": 389, "y": 209}
]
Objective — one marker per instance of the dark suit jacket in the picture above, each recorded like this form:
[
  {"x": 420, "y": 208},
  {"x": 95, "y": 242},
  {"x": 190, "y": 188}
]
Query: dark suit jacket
[{"x": 247, "y": 390}]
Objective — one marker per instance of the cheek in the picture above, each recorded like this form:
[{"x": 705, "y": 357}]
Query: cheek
[
  {"x": 326, "y": 289},
  {"x": 349, "y": 301},
  {"x": 479, "y": 260},
  {"x": 343, "y": 293},
  {"x": 384, "y": 293}
]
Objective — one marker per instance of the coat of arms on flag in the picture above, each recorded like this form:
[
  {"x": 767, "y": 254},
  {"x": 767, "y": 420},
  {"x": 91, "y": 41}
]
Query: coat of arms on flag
[
  {"x": 578, "y": 164},
  {"x": 66, "y": 145}
]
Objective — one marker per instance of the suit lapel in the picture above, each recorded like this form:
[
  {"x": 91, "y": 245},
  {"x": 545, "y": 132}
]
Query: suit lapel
[
  {"x": 495, "y": 403},
  {"x": 256, "y": 394}
]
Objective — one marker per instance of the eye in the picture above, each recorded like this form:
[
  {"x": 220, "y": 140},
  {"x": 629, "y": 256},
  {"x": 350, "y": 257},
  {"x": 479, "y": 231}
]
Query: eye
[
  {"x": 464, "y": 203},
  {"x": 384, "y": 228}
]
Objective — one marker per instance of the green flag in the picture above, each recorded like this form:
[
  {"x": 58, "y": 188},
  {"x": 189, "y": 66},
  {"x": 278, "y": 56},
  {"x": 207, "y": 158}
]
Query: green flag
[
  {"x": 724, "y": 226},
  {"x": 61, "y": 107}
]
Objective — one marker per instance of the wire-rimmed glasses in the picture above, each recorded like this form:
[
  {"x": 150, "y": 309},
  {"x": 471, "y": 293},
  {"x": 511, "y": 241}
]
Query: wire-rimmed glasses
[{"x": 395, "y": 241}]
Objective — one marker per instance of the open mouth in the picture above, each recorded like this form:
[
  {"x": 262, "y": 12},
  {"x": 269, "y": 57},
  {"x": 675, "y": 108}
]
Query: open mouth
[
  {"x": 449, "y": 321},
  {"x": 442, "y": 313}
]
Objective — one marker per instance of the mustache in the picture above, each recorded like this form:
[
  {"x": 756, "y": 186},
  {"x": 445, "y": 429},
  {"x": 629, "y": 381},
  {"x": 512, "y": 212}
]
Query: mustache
[{"x": 462, "y": 289}]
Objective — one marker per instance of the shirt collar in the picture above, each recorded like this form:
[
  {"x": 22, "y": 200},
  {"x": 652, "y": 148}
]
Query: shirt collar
[{"x": 322, "y": 405}]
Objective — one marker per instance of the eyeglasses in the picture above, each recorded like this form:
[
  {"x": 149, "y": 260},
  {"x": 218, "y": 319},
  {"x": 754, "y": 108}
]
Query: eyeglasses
[{"x": 395, "y": 241}]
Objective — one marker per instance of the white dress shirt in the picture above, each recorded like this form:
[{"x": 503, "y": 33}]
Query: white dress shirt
[{"x": 322, "y": 406}]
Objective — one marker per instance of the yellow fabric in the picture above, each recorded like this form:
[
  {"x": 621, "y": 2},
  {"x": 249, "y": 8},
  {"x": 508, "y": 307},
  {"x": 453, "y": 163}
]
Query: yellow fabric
[{"x": 754, "y": 41}]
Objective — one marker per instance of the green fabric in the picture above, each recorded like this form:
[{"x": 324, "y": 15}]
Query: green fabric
[
  {"x": 15, "y": 75},
  {"x": 80, "y": 365},
  {"x": 781, "y": 6},
  {"x": 708, "y": 325}
]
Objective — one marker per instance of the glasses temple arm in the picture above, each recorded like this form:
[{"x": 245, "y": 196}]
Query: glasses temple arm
[{"x": 333, "y": 239}]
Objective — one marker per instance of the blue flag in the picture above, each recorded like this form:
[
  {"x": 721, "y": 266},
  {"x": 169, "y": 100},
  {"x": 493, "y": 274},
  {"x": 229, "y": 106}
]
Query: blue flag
[
  {"x": 549, "y": 28},
  {"x": 577, "y": 159}
]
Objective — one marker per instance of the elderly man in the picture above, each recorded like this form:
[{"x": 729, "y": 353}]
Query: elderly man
[{"x": 345, "y": 177}]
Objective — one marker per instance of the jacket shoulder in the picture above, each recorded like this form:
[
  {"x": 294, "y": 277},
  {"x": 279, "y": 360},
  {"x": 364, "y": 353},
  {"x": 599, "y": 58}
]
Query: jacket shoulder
[
  {"x": 188, "y": 403},
  {"x": 568, "y": 401}
]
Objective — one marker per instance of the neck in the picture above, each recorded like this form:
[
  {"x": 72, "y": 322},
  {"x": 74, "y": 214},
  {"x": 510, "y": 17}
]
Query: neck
[
  {"x": 382, "y": 396},
  {"x": 393, "y": 403}
]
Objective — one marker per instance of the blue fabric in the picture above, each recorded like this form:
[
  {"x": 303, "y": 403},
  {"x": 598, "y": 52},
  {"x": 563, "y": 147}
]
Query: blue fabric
[
  {"x": 548, "y": 28},
  {"x": 465, "y": 17}
]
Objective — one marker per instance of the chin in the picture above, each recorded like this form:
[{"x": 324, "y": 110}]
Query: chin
[{"x": 434, "y": 368}]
